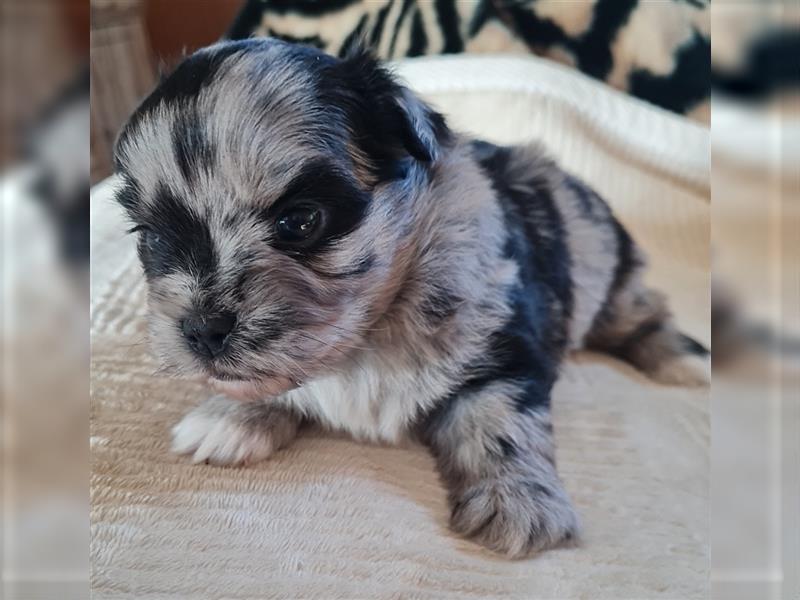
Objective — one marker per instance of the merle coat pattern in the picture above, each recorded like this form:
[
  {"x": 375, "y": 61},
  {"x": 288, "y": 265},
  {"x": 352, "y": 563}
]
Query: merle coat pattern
[{"x": 316, "y": 240}]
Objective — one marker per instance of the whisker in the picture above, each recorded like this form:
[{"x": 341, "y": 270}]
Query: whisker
[
  {"x": 332, "y": 347},
  {"x": 350, "y": 331}
]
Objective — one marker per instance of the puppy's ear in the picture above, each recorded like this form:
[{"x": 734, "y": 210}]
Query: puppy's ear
[{"x": 389, "y": 122}]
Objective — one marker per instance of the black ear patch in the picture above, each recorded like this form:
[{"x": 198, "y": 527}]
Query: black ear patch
[{"x": 388, "y": 122}]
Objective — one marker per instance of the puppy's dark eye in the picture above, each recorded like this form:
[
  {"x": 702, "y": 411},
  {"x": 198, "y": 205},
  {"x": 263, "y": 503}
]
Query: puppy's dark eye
[
  {"x": 299, "y": 224},
  {"x": 149, "y": 237},
  {"x": 152, "y": 239}
]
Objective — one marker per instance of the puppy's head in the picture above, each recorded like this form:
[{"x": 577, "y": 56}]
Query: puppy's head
[{"x": 272, "y": 189}]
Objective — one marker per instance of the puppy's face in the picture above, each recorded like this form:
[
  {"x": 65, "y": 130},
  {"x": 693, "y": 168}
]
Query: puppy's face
[{"x": 272, "y": 190}]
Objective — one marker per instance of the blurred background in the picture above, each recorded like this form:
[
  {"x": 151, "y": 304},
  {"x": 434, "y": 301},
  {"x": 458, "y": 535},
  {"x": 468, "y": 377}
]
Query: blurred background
[
  {"x": 749, "y": 76},
  {"x": 44, "y": 178},
  {"x": 755, "y": 151}
]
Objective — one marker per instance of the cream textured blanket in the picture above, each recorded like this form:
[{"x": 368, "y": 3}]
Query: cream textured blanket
[{"x": 327, "y": 518}]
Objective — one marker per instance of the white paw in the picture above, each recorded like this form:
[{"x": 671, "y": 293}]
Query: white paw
[
  {"x": 690, "y": 370},
  {"x": 224, "y": 432}
]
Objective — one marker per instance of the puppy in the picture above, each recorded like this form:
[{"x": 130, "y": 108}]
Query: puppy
[{"x": 317, "y": 240}]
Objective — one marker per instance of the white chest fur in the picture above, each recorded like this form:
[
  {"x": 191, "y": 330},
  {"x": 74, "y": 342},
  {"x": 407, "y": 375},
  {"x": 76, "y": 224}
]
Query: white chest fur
[{"x": 375, "y": 400}]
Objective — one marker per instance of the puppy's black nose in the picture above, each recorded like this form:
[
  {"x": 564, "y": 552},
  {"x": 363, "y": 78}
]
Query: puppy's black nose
[{"x": 208, "y": 335}]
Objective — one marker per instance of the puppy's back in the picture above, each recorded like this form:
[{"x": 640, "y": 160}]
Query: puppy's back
[{"x": 608, "y": 306}]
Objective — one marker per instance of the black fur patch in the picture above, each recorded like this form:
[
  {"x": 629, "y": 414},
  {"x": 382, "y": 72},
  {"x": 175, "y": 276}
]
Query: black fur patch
[
  {"x": 531, "y": 345},
  {"x": 537, "y": 241},
  {"x": 129, "y": 196},
  {"x": 193, "y": 151},
  {"x": 627, "y": 262},
  {"x": 513, "y": 355},
  {"x": 528, "y": 349},
  {"x": 368, "y": 95},
  {"x": 320, "y": 184},
  {"x": 185, "y": 83},
  {"x": 590, "y": 204},
  {"x": 440, "y": 128},
  {"x": 626, "y": 259},
  {"x": 522, "y": 353},
  {"x": 174, "y": 238}
]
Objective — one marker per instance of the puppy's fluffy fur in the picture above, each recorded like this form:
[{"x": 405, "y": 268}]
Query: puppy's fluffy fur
[{"x": 432, "y": 284}]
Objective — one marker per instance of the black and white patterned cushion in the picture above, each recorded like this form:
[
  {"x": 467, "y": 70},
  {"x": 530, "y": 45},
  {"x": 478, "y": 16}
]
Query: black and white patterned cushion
[{"x": 658, "y": 51}]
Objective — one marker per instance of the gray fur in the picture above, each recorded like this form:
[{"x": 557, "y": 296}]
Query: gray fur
[{"x": 395, "y": 327}]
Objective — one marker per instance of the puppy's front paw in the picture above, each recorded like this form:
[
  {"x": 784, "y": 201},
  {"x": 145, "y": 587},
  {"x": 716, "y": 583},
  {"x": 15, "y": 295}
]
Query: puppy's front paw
[
  {"x": 226, "y": 432},
  {"x": 515, "y": 517}
]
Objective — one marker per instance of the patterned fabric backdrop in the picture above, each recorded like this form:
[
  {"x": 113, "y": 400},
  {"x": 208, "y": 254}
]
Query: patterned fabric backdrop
[{"x": 657, "y": 50}]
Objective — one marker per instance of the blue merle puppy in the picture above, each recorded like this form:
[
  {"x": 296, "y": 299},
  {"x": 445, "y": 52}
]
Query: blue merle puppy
[{"x": 316, "y": 240}]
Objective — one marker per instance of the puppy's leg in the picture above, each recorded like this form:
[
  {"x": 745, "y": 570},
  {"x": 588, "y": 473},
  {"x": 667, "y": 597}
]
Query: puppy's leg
[
  {"x": 496, "y": 457},
  {"x": 636, "y": 325},
  {"x": 222, "y": 431}
]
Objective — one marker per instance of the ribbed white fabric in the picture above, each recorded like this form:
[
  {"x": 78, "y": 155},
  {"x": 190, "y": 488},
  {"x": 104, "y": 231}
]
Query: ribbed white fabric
[
  {"x": 328, "y": 518},
  {"x": 669, "y": 143}
]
